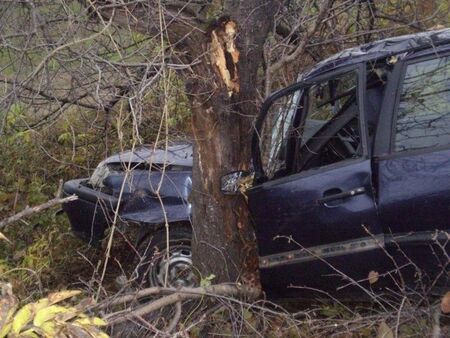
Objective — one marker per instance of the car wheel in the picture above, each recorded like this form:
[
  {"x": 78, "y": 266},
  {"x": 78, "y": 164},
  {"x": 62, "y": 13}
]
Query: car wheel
[{"x": 157, "y": 266}]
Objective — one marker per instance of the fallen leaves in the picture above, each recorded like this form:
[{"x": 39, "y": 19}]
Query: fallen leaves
[{"x": 46, "y": 318}]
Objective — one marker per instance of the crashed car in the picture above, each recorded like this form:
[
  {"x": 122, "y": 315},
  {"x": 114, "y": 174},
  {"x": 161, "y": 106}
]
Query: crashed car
[
  {"x": 351, "y": 184},
  {"x": 148, "y": 187},
  {"x": 351, "y": 187}
]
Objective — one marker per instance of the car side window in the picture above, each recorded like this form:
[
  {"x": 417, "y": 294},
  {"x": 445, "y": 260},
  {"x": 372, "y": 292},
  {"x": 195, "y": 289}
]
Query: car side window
[
  {"x": 277, "y": 132},
  {"x": 330, "y": 131},
  {"x": 423, "y": 114}
]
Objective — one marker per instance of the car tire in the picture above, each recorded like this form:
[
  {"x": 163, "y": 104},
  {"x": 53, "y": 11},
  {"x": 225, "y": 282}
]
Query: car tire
[{"x": 153, "y": 263}]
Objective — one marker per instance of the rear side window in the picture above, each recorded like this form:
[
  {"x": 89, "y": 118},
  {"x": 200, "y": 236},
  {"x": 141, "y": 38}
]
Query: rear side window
[{"x": 423, "y": 116}]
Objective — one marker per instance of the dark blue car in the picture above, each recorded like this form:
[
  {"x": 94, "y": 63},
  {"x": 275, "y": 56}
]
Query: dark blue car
[{"x": 351, "y": 183}]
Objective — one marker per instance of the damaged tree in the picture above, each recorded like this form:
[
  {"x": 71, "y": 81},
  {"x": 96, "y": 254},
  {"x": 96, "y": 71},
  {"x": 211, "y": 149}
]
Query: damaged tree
[
  {"x": 222, "y": 88},
  {"x": 223, "y": 238}
]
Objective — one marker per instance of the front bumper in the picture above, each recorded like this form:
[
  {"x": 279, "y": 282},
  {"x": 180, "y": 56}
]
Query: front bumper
[{"x": 91, "y": 213}]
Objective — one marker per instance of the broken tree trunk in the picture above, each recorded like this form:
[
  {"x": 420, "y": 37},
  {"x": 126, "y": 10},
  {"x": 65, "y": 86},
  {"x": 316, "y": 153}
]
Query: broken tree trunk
[{"x": 224, "y": 108}]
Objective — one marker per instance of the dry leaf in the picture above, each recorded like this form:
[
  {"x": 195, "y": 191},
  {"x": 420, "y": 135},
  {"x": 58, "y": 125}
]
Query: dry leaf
[
  {"x": 384, "y": 331},
  {"x": 373, "y": 277},
  {"x": 445, "y": 303}
]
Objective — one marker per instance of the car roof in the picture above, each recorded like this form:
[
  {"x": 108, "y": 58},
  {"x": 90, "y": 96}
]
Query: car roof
[{"x": 381, "y": 49}]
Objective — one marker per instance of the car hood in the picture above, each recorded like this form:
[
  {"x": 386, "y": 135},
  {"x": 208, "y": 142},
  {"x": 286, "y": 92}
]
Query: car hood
[{"x": 177, "y": 154}]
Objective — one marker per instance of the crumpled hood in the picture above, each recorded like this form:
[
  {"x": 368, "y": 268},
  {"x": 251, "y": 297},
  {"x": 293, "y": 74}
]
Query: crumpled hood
[{"x": 178, "y": 154}]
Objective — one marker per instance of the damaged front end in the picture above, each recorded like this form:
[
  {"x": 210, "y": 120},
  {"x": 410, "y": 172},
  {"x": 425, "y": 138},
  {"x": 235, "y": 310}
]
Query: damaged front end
[{"x": 146, "y": 186}]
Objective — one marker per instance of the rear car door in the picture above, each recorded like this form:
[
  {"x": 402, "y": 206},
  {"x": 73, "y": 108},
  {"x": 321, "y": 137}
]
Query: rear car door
[
  {"x": 314, "y": 212},
  {"x": 413, "y": 165}
]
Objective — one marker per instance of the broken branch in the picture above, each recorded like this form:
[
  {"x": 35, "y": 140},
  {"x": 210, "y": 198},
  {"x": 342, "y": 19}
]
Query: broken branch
[
  {"x": 33, "y": 210},
  {"x": 178, "y": 295}
]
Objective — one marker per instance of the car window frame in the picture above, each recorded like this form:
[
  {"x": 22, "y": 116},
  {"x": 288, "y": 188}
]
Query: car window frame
[
  {"x": 361, "y": 73},
  {"x": 384, "y": 147}
]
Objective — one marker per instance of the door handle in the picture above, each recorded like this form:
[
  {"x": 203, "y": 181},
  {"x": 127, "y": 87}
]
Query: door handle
[{"x": 340, "y": 195}]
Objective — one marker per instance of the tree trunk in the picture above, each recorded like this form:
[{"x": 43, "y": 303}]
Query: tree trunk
[{"x": 224, "y": 107}]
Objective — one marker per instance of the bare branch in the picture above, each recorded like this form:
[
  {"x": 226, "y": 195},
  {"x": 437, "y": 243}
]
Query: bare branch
[
  {"x": 178, "y": 295},
  {"x": 28, "y": 211},
  {"x": 300, "y": 49}
]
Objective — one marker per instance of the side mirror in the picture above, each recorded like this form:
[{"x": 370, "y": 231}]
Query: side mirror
[{"x": 233, "y": 182}]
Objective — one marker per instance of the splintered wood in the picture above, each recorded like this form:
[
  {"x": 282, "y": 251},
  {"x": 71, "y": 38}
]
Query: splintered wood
[{"x": 225, "y": 56}]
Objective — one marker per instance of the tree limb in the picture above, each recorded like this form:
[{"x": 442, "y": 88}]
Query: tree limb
[
  {"x": 32, "y": 210},
  {"x": 178, "y": 295},
  {"x": 300, "y": 49}
]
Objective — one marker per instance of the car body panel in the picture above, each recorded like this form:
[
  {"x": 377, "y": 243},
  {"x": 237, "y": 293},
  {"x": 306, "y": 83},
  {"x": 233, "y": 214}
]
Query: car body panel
[
  {"x": 304, "y": 229},
  {"x": 90, "y": 214},
  {"x": 147, "y": 197},
  {"x": 381, "y": 49}
]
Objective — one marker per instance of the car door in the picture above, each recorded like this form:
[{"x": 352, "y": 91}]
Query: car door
[
  {"x": 313, "y": 208},
  {"x": 413, "y": 165}
]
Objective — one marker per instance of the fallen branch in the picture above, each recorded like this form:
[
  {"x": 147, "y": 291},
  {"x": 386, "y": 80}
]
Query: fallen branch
[
  {"x": 178, "y": 295},
  {"x": 28, "y": 211}
]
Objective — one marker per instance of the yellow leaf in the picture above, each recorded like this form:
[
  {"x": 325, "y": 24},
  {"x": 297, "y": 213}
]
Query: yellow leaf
[
  {"x": 96, "y": 321},
  {"x": 48, "y": 313},
  {"x": 57, "y": 297},
  {"x": 29, "y": 334},
  {"x": 67, "y": 315},
  {"x": 22, "y": 318},
  {"x": 40, "y": 304},
  {"x": 5, "y": 330},
  {"x": 48, "y": 329}
]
